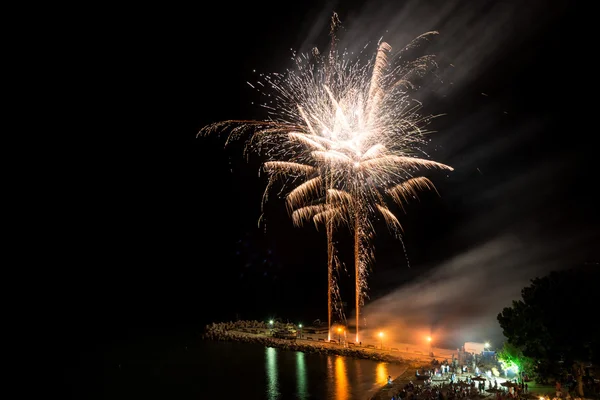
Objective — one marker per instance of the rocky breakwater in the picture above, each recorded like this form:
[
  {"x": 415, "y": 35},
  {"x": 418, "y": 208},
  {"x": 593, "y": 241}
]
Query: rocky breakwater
[{"x": 255, "y": 332}]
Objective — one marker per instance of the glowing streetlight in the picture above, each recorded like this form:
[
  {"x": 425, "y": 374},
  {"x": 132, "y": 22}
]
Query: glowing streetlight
[
  {"x": 381, "y": 336},
  {"x": 300, "y": 326},
  {"x": 271, "y": 326},
  {"x": 339, "y": 335}
]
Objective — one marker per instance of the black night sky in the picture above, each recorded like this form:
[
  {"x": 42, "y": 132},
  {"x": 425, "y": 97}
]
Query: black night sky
[{"x": 165, "y": 234}]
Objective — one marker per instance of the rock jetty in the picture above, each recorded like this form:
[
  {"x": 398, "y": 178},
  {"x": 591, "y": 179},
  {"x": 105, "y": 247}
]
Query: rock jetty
[{"x": 258, "y": 332}]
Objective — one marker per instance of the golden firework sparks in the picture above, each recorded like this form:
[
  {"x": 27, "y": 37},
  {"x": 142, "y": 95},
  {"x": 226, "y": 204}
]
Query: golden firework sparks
[{"x": 352, "y": 133}]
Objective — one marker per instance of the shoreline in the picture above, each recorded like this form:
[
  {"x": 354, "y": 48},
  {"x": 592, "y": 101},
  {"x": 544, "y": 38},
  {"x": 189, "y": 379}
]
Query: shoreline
[
  {"x": 258, "y": 332},
  {"x": 237, "y": 332},
  {"x": 383, "y": 393}
]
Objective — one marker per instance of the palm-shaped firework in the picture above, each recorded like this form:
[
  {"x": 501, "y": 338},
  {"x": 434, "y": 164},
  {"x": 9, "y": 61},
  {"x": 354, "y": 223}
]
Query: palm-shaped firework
[{"x": 351, "y": 134}]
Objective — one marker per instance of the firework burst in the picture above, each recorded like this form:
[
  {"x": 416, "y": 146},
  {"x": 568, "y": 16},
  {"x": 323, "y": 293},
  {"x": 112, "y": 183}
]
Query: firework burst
[{"x": 347, "y": 136}]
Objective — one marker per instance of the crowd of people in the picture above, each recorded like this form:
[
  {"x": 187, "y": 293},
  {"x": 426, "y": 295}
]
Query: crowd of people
[
  {"x": 467, "y": 388},
  {"x": 443, "y": 381}
]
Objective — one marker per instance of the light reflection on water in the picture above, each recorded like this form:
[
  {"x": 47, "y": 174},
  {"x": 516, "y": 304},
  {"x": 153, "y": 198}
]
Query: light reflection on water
[
  {"x": 271, "y": 367},
  {"x": 208, "y": 368},
  {"x": 382, "y": 373},
  {"x": 301, "y": 375},
  {"x": 341, "y": 379}
]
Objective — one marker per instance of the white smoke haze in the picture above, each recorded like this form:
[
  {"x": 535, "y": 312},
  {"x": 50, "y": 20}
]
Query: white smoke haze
[
  {"x": 458, "y": 300},
  {"x": 472, "y": 35},
  {"x": 524, "y": 224}
]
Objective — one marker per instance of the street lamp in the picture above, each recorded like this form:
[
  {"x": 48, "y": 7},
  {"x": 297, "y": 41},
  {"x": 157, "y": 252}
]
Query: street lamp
[
  {"x": 381, "y": 336},
  {"x": 339, "y": 335},
  {"x": 300, "y": 326}
]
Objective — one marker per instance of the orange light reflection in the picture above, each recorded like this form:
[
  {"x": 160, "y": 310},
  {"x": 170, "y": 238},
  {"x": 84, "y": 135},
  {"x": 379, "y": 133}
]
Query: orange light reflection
[
  {"x": 341, "y": 379},
  {"x": 381, "y": 374}
]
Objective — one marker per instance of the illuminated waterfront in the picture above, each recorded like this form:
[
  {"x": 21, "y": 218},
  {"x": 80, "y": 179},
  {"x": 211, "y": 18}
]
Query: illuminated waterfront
[{"x": 252, "y": 371}]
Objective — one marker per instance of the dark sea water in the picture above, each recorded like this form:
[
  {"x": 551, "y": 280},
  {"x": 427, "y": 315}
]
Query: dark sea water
[{"x": 230, "y": 370}]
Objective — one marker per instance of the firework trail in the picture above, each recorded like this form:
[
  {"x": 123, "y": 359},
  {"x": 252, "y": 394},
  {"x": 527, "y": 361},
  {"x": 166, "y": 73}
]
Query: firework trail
[{"x": 347, "y": 136}]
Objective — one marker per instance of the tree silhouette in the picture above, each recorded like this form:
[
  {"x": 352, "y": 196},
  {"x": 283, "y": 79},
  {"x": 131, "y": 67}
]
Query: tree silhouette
[{"x": 556, "y": 322}]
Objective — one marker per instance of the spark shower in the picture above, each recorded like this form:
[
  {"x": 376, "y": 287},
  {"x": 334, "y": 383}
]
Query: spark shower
[{"x": 345, "y": 137}]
